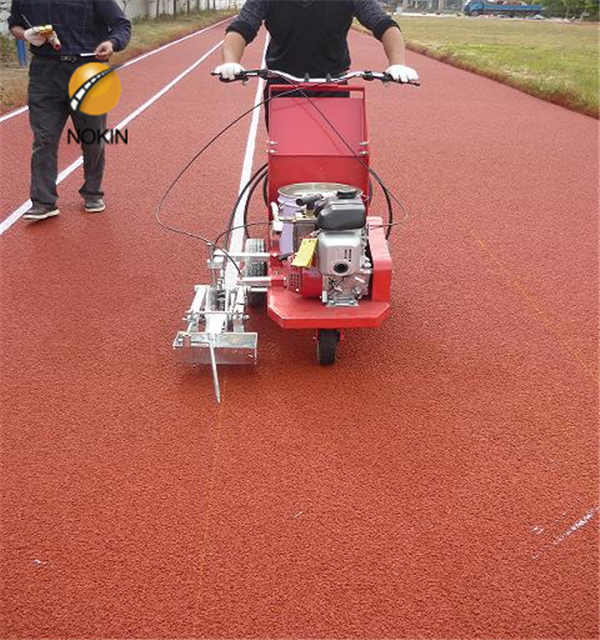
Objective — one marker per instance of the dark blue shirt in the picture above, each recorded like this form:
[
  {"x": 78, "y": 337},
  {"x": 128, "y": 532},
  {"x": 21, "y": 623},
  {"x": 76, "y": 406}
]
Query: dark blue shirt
[{"x": 81, "y": 25}]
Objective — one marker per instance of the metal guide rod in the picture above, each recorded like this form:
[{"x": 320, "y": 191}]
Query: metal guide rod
[
  {"x": 264, "y": 255},
  {"x": 213, "y": 364}
]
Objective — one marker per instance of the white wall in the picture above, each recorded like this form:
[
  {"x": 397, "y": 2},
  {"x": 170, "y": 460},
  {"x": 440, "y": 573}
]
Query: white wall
[{"x": 4, "y": 12}]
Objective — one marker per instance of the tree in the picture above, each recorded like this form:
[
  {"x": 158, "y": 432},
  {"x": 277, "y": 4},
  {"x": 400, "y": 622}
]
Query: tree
[
  {"x": 592, "y": 8},
  {"x": 572, "y": 8},
  {"x": 567, "y": 8}
]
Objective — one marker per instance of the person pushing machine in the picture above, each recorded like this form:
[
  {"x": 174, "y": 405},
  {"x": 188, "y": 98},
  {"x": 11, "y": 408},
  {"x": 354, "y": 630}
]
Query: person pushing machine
[{"x": 310, "y": 37}]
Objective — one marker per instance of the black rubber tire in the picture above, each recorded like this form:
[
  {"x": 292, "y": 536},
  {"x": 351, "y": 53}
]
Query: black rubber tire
[
  {"x": 327, "y": 342},
  {"x": 256, "y": 298}
]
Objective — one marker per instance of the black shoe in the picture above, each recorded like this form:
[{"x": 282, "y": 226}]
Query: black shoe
[
  {"x": 94, "y": 204},
  {"x": 39, "y": 211}
]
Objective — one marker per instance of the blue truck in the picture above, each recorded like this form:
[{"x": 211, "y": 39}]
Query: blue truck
[{"x": 480, "y": 7}]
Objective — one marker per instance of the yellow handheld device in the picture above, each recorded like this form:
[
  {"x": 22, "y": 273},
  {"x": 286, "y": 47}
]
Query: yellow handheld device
[
  {"x": 43, "y": 29},
  {"x": 47, "y": 30}
]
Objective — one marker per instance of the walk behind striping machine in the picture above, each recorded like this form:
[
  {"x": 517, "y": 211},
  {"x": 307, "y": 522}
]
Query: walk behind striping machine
[{"x": 324, "y": 263}]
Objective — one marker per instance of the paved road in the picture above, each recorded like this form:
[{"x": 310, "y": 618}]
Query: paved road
[{"x": 440, "y": 481}]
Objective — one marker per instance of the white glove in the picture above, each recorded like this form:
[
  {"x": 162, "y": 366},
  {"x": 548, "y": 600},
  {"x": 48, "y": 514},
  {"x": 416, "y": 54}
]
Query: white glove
[
  {"x": 36, "y": 39},
  {"x": 402, "y": 73},
  {"x": 229, "y": 70}
]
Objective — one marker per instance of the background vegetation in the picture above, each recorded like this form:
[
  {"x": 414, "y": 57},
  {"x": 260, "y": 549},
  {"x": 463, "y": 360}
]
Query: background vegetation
[
  {"x": 571, "y": 8},
  {"x": 557, "y": 61}
]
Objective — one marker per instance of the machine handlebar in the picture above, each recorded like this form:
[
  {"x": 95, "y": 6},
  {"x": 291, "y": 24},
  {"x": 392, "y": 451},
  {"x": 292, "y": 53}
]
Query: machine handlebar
[{"x": 271, "y": 74}]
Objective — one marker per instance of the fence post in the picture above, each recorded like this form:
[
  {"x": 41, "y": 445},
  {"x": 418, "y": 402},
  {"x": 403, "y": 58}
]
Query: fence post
[{"x": 21, "y": 53}]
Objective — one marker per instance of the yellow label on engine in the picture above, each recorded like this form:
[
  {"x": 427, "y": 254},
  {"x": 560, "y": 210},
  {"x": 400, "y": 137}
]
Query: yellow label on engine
[{"x": 305, "y": 253}]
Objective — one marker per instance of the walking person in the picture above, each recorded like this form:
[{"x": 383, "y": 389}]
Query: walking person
[{"x": 80, "y": 27}]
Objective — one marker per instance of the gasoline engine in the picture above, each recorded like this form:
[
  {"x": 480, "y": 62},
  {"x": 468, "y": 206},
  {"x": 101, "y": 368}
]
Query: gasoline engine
[{"x": 324, "y": 239}]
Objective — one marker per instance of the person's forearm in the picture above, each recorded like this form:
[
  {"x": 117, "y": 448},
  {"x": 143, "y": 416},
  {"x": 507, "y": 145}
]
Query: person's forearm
[
  {"x": 18, "y": 32},
  {"x": 233, "y": 47},
  {"x": 120, "y": 34},
  {"x": 393, "y": 44},
  {"x": 108, "y": 13}
]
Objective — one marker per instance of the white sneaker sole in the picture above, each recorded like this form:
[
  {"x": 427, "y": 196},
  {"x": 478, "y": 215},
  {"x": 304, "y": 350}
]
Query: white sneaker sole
[
  {"x": 41, "y": 216},
  {"x": 94, "y": 209}
]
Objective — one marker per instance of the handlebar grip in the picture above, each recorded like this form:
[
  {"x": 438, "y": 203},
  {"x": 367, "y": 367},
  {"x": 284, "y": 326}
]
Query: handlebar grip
[
  {"x": 388, "y": 78},
  {"x": 238, "y": 76}
]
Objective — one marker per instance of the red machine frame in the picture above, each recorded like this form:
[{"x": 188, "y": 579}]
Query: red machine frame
[{"x": 304, "y": 147}]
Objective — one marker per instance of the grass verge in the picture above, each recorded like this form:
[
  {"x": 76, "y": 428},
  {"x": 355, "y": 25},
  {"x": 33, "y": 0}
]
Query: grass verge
[
  {"x": 146, "y": 35},
  {"x": 555, "y": 61}
]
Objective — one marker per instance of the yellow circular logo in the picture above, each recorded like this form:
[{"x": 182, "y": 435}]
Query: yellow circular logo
[{"x": 94, "y": 88}]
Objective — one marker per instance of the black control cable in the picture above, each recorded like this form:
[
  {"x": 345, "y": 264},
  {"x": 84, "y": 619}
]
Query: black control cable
[
  {"x": 158, "y": 211},
  {"x": 254, "y": 180},
  {"x": 262, "y": 180},
  {"x": 388, "y": 195}
]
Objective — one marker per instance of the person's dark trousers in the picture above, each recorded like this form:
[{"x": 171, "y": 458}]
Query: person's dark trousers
[{"x": 48, "y": 113}]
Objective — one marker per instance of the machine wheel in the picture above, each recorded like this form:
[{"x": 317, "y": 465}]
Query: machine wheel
[
  {"x": 327, "y": 341},
  {"x": 253, "y": 269}
]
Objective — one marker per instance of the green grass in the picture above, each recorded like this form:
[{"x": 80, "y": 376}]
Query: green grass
[
  {"x": 146, "y": 35},
  {"x": 556, "y": 61}
]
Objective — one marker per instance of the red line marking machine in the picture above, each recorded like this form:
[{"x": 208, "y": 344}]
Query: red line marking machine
[{"x": 324, "y": 263}]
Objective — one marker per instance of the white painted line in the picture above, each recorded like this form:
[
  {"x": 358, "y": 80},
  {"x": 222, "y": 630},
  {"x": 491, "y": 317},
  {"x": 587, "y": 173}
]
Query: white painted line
[
  {"x": 170, "y": 44},
  {"x": 237, "y": 235},
  {"x": 15, "y": 215},
  {"x": 16, "y": 112},
  {"x": 166, "y": 88},
  {"x": 7, "y": 223},
  {"x": 12, "y": 114},
  {"x": 577, "y": 525}
]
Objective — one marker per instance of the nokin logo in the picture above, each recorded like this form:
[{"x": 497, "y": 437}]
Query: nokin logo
[{"x": 95, "y": 89}]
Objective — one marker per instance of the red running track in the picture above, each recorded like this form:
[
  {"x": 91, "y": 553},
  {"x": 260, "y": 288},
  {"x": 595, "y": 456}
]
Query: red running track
[{"x": 441, "y": 481}]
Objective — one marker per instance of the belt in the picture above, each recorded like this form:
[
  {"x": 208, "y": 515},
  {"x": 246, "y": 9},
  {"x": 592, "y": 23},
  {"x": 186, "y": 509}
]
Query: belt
[{"x": 67, "y": 59}]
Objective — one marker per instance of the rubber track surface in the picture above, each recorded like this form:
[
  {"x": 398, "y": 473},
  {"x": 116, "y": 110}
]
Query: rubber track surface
[{"x": 440, "y": 481}]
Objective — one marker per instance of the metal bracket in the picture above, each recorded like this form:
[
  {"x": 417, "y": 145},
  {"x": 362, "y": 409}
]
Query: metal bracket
[{"x": 215, "y": 333}]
